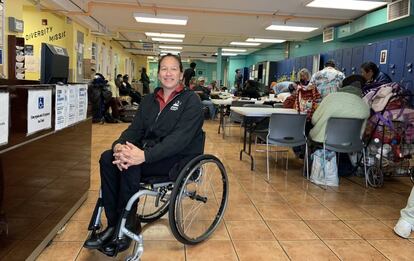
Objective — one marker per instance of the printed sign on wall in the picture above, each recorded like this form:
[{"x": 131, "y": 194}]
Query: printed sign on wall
[
  {"x": 39, "y": 110},
  {"x": 4, "y": 117},
  {"x": 61, "y": 107}
]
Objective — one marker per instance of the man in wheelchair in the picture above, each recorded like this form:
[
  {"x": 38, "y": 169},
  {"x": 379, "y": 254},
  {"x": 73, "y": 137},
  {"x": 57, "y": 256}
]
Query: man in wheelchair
[{"x": 166, "y": 134}]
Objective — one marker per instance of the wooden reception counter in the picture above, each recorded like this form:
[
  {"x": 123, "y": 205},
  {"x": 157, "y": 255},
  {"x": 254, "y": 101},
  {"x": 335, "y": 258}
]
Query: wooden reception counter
[{"x": 44, "y": 178}]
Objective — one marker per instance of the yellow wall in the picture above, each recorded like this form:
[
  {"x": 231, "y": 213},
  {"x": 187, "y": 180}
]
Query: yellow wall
[
  {"x": 57, "y": 23},
  {"x": 13, "y": 8}
]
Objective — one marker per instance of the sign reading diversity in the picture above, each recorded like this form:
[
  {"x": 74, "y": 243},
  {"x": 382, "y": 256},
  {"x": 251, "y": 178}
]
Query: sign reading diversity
[
  {"x": 39, "y": 110},
  {"x": 4, "y": 117}
]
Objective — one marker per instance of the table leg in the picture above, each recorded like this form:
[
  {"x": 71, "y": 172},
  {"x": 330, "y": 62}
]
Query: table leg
[{"x": 247, "y": 126}]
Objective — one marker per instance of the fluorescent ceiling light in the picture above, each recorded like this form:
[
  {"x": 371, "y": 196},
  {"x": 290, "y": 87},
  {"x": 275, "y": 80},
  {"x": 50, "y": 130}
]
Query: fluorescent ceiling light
[
  {"x": 245, "y": 44},
  {"x": 150, "y": 57},
  {"x": 169, "y": 51},
  {"x": 347, "y": 4},
  {"x": 157, "y": 39},
  {"x": 228, "y": 54},
  {"x": 234, "y": 50},
  {"x": 168, "y": 35},
  {"x": 291, "y": 28},
  {"x": 160, "y": 19},
  {"x": 170, "y": 47},
  {"x": 263, "y": 40}
]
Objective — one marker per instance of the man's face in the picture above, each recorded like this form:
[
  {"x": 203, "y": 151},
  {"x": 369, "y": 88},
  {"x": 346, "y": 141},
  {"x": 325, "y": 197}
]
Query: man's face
[{"x": 367, "y": 74}]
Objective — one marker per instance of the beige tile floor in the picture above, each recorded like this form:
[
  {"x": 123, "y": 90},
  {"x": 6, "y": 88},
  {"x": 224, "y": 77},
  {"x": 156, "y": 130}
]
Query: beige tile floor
[{"x": 286, "y": 219}]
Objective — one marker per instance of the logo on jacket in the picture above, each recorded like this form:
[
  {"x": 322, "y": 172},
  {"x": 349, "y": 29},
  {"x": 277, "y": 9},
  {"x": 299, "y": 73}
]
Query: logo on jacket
[{"x": 175, "y": 106}]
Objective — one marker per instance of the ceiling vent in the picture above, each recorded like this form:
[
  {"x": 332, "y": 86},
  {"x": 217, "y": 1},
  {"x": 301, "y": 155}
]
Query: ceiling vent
[
  {"x": 328, "y": 34},
  {"x": 398, "y": 9}
]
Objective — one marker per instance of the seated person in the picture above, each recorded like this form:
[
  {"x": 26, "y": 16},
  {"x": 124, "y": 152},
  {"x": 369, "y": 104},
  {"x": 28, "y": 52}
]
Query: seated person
[
  {"x": 204, "y": 94},
  {"x": 127, "y": 90},
  {"x": 304, "y": 98},
  {"x": 213, "y": 86},
  {"x": 101, "y": 99},
  {"x": 251, "y": 89},
  {"x": 405, "y": 224},
  {"x": 346, "y": 103},
  {"x": 165, "y": 135},
  {"x": 373, "y": 76}
]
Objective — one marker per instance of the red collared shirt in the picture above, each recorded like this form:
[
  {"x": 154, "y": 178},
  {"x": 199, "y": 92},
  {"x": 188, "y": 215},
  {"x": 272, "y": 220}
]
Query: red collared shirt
[{"x": 160, "y": 96}]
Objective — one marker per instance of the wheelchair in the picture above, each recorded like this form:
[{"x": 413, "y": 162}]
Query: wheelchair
[{"x": 195, "y": 201}]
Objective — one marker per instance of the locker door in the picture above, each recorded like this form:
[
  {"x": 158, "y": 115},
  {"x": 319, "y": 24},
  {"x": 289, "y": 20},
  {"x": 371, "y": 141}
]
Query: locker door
[
  {"x": 357, "y": 57},
  {"x": 346, "y": 61},
  {"x": 302, "y": 62},
  {"x": 409, "y": 60},
  {"x": 338, "y": 58},
  {"x": 309, "y": 63},
  {"x": 382, "y": 46},
  {"x": 369, "y": 52},
  {"x": 409, "y": 67},
  {"x": 290, "y": 64},
  {"x": 296, "y": 64},
  {"x": 398, "y": 48}
]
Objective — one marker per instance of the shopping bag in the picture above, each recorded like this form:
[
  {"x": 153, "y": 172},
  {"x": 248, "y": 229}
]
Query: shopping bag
[{"x": 322, "y": 168}]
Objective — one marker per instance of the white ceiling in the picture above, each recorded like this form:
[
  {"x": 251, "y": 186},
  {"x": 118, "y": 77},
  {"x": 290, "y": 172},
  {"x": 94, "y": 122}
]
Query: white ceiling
[{"x": 211, "y": 23}]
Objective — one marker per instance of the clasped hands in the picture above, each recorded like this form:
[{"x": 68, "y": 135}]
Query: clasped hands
[{"x": 127, "y": 155}]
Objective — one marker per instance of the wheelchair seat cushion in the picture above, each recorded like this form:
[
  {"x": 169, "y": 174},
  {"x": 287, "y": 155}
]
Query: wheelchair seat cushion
[{"x": 155, "y": 179}]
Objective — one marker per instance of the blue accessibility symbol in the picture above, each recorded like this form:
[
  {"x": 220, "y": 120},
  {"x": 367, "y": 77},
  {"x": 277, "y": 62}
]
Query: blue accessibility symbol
[{"x": 41, "y": 103}]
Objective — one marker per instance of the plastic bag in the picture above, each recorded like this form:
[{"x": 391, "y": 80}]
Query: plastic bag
[{"x": 320, "y": 168}]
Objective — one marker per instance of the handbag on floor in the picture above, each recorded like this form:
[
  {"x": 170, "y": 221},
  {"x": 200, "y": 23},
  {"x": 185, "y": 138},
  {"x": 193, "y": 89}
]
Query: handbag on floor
[{"x": 322, "y": 168}]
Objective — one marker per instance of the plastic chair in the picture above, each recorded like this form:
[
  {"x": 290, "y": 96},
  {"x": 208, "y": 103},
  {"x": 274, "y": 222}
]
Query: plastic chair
[
  {"x": 235, "y": 117},
  {"x": 287, "y": 130},
  {"x": 344, "y": 135}
]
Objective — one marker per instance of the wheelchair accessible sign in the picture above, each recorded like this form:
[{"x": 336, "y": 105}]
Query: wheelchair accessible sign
[{"x": 39, "y": 110}]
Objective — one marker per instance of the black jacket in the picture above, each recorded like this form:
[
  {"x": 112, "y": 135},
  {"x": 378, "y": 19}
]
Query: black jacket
[{"x": 176, "y": 130}]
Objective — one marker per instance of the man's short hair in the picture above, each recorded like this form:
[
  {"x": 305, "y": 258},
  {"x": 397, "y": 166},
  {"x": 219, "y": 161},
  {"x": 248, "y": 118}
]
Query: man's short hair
[
  {"x": 330, "y": 63},
  {"x": 193, "y": 65}
]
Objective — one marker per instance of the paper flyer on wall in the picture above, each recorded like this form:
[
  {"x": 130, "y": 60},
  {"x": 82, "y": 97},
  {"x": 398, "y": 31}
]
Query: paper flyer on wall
[
  {"x": 82, "y": 101},
  {"x": 61, "y": 107},
  {"x": 4, "y": 118},
  {"x": 39, "y": 110},
  {"x": 72, "y": 114}
]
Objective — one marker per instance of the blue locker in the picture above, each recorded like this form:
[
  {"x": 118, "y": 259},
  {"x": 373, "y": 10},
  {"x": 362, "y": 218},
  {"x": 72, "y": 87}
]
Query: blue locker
[
  {"x": 309, "y": 62},
  {"x": 338, "y": 58},
  {"x": 357, "y": 59},
  {"x": 297, "y": 65},
  {"x": 326, "y": 57},
  {"x": 381, "y": 47},
  {"x": 369, "y": 52},
  {"x": 289, "y": 68},
  {"x": 346, "y": 61},
  {"x": 409, "y": 67},
  {"x": 396, "y": 58},
  {"x": 303, "y": 62}
]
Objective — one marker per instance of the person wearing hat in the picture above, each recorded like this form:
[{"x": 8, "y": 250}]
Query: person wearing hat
[
  {"x": 346, "y": 103},
  {"x": 204, "y": 94},
  {"x": 328, "y": 80},
  {"x": 127, "y": 90}
]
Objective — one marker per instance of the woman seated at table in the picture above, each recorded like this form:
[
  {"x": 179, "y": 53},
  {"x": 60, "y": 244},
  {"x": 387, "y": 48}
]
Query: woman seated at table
[{"x": 304, "y": 98}]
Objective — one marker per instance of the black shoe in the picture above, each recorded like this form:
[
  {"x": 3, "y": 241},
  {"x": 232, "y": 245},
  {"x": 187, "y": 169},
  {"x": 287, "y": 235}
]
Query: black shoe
[
  {"x": 113, "y": 247},
  {"x": 98, "y": 240}
]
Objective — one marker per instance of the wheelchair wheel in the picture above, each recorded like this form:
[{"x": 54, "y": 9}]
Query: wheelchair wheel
[
  {"x": 152, "y": 208},
  {"x": 198, "y": 200}
]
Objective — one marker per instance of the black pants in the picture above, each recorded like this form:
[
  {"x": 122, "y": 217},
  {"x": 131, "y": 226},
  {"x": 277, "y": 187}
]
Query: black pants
[{"x": 119, "y": 186}]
